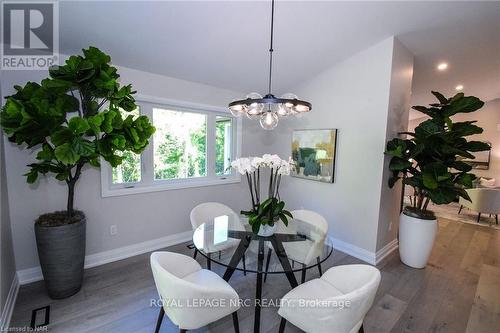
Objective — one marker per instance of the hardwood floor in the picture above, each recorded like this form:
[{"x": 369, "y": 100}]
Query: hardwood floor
[{"x": 459, "y": 291}]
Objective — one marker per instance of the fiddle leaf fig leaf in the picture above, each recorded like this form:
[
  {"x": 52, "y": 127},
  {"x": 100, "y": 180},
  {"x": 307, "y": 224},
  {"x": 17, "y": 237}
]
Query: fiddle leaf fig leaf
[
  {"x": 78, "y": 125},
  {"x": 66, "y": 154},
  {"x": 440, "y": 97},
  {"x": 46, "y": 154}
]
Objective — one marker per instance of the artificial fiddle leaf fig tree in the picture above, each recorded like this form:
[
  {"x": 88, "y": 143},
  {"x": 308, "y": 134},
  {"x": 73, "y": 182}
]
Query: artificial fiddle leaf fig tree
[
  {"x": 74, "y": 117},
  {"x": 430, "y": 159}
]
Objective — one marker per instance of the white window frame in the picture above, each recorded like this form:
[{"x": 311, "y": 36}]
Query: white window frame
[{"x": 148, "y": 183}]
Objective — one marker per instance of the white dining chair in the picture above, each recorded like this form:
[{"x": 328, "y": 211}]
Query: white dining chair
[
  {"x": 335, "y": 303},
  {"x": 206, "y": 212},
  {"x": 306, "y": 251},
  {"x": 182, "y": 282},
  {"x": 483, "y": 200}
]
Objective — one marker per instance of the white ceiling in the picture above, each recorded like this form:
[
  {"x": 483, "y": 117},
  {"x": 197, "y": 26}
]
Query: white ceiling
[{"x": 225, "y": 44}]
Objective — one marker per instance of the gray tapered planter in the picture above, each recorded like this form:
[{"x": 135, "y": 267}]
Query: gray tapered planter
[{"x": 61, "y": 250}]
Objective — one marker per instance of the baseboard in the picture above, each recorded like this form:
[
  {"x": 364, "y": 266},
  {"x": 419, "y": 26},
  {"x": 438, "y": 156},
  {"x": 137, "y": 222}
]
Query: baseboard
[
  {"x": 10, "y": 302},
  {"x": 355, "y": 251},
  {"x": 34, "y": 274},
  {"x": 386, "y": 250}
]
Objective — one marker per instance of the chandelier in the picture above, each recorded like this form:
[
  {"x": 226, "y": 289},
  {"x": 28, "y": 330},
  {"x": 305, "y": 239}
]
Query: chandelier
[{"x": 269, "y": 109}]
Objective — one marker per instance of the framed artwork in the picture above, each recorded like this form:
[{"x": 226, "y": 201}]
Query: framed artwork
[{"x": 313, "y": 152}]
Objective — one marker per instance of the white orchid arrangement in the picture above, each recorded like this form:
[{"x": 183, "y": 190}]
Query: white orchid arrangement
[{"x": 271, "y": 209}]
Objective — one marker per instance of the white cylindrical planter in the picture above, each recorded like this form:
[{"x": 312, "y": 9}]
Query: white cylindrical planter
[{"x": 416, "y": 238}]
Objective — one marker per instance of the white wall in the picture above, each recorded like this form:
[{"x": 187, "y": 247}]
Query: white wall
[
  {"x": 139, "y": 217},
  {"x": 397, "y": 121},
  {"x": 355, "y": 97},
  {"x": 7, "y": 264}
]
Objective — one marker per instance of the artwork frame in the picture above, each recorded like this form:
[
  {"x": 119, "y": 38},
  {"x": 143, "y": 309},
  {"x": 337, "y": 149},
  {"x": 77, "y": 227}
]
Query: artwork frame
[{"x": 314, "y": 153}]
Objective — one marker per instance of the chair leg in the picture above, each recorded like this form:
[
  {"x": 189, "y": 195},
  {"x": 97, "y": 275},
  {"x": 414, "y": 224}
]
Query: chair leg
[
  {"x": 318, "y": 260},
  {"x": 160, "y": 319},
  {"x": 361, "y": 329},
  {"x": 303, "y": 273},
  {"x": 236, "y": 323},
  {"x": 219, "y": 254},
  {"x": 209, "y": 262},
  {"x": 478, "y": 217},
  {"x": 269, "y": 251},
  {"x": 244, "y": 266},
  {"x": 282, "y": 325},
  {"x": 195, "y": 253},
  {"x": 496, "y": 218},
  {"x": 460, "y": 209}
]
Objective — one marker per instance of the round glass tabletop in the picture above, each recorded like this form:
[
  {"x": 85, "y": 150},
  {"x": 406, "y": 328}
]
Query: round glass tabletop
[{"x": 229, "y": 241}]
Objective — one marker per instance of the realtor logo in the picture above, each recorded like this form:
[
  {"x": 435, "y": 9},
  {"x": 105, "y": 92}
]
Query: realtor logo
[{"x": 30, "y": 38}]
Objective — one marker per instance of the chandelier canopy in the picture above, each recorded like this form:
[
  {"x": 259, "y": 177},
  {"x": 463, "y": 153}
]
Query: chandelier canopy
[{"x": 269, "y": 108}]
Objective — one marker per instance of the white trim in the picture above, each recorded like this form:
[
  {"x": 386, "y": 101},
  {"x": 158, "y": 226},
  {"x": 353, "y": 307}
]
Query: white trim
[
  {"x": 386, "y": 250},
  {"x": 168, "y": 185},
  {"x": 353, "y": 250},
  {"x": 8, "y": 307},
  {"x": 33, "y": 274},
  {"x": 363, "y": 254}
]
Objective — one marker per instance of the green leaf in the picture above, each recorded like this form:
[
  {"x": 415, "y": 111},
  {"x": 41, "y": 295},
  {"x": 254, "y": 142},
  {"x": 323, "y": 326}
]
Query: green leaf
[
  {"x": 95, "y": 123},
  {"x": 440, "y": 97},
  {"x": 31, "y": 176},
  {"x": 66, "y": 154},
  {"x": 426, "y": 128},
  {"x": 83, "y": 147},
  {"x": 78, "y": 125},
  {"x": 46, "y": 154},
  {"x": 463, "y": 104},
  {"x": 61, "y": 136},
  {"x": 399, "y": 164},
  {"x": 477, "y": 146},
  {"x": 62, "y": 176}
]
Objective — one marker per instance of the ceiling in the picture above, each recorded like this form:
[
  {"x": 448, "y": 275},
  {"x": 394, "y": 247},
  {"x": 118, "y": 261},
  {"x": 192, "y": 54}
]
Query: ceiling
[{"x": 225, "y": 44}]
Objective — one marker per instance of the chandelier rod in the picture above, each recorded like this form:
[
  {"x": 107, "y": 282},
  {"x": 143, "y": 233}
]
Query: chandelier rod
[{"x": 271, "y": 47}]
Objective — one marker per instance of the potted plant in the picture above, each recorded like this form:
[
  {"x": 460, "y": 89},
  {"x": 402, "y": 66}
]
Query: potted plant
[
  {"x": 429, "y": 160},
  {"x": 264, "y": 215},
  {"x": 74, "y": 118}
]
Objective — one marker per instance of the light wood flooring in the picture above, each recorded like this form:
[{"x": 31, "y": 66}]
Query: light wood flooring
[{"x": 459, "y": 291}]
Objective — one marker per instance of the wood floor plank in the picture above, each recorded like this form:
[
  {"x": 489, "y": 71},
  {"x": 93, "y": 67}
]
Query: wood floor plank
[
  {"x": 485, "y": 313},
  {"x": 473, "y": 258},
  {"x": 384, "y": 314}
]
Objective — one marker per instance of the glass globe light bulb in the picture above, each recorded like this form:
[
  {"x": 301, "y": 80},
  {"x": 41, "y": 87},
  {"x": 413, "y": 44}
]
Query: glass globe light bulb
[
  {"x": 269, "y": 120},
  {"x": 302, "y": 108},
  {"x": 282, "y": 110},
  {"x": 254, "y": 110},
  {"x": 237, "y": 110},
  {"x": 289, "y": 105}
]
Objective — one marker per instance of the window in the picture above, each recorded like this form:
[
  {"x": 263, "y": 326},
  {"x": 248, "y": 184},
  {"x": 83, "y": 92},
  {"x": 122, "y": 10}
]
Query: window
[
  {"x": 193, "y": 146},
  {"x": 223, "y": 144},
  {"x": 180, "y": 144}
]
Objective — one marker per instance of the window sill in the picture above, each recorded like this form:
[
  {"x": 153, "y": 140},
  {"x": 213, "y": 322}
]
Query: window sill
[{"x": 168, "y": 185}]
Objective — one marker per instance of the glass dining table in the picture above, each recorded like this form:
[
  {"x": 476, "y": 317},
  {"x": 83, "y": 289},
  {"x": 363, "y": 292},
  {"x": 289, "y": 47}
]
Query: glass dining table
[{"x": 228, "y": 240}]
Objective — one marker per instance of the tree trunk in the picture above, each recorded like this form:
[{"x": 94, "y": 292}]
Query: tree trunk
[
  {"x": 71, "y": 197},
  {"x": 71, "y": 188}
]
